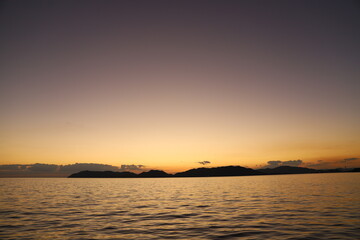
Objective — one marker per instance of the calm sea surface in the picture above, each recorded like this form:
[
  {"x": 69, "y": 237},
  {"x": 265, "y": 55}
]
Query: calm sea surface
[{"x": 309, "y": 206}]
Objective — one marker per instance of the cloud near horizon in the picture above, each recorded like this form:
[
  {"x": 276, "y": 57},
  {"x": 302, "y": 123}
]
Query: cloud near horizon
[
  {"x": 321, "y": 164},
  {"x": 131, "y": 167},
  {"x": 350, "y": 159},
  {"x": 292, "y": 163},
  {"x": 41, "y": 169},
  {"x": 204, "y": 162}
]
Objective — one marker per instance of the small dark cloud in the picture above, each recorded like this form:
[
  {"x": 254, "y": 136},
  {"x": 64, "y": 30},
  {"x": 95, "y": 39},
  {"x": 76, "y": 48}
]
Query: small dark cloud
[
  {"x": 40, "y": 167},
  {"x": 273, "y": 164},
  {"x": 320, "y": 164},
  {"x": 11, "y": 167},
  {"x": 77, "y": 167},
  {"x": 204, "y": 162},
  {"x": 293, "y": 163},
  {"x": 277, "y": 163},
  {"x": 131, "y": 167}
]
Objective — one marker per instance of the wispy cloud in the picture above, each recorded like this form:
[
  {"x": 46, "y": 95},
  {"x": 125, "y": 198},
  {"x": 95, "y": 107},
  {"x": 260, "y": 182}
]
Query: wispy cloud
[
  {"x": 350, "y": 159},
  {"x": 323, "y": 164},
  {"x": 277, "y": 163},
  {"x": 204, "y": 162}
]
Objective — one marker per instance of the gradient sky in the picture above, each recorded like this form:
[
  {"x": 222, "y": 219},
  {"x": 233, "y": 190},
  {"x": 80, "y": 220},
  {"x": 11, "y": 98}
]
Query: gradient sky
[{"x": 167, "y": 84}]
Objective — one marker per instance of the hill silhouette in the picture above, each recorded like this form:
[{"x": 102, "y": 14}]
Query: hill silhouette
[
  {"x": 155, "y": 173},
  {"x": 206, "y": 172},
  {"x": 196, "y": 172},
  {"x": 218, "y": 171}
]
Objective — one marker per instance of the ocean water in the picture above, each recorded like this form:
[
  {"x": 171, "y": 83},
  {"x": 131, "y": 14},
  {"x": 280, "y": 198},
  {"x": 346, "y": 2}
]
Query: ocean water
[{"x": 308, "y": 206}]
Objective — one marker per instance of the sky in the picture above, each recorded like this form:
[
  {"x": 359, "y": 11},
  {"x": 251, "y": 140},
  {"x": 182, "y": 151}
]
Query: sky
[{"x": 174, "y": 85}]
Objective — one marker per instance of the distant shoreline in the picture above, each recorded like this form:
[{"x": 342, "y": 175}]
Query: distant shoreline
[{"x": 225, "y": 171}]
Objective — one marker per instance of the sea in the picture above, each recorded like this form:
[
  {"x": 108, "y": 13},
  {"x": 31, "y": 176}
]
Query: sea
[{"x": 302, "y": 206}]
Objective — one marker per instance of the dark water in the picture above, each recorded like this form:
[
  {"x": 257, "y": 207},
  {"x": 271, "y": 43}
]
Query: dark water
[{"x": 310, "y": 206}]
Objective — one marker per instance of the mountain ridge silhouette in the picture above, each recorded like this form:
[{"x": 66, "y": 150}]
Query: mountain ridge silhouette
[{"x": 199, "y": 172}]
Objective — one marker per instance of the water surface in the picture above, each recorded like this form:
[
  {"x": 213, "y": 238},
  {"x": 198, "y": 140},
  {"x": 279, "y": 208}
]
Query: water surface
[{"x": 307, "y": 206}]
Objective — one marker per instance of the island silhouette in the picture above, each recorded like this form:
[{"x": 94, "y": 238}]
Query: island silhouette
[{"x": 203, "y": 172}]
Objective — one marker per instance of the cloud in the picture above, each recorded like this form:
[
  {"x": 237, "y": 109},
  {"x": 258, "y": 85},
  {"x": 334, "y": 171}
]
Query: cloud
[
  {"x": 320, "y": 164},
  {"x": 346, "y": 162},
  {"x": 30, "y": 170},
  {"x": 131, "y": 167},
  {"x": 12, "y": 167},
  {"x": 77, "y": 167},
  {"x": 350, "y": 159},
  {"x": 277, "y": 163},
  {"x": 293, "y": 163},
  {"x": 53, "y": 170},
  {"x": 40, "y": 167},
  {"x": 273, "y": 164},
  {"x": 204, "y": 162}
]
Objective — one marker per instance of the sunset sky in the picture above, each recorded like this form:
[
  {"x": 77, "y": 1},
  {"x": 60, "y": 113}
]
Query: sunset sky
[{"x": 168, "y": 84}]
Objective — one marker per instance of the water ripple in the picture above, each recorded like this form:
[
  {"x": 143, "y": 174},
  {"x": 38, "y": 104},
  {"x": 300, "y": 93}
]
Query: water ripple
[{"x": 301, "y": 207}]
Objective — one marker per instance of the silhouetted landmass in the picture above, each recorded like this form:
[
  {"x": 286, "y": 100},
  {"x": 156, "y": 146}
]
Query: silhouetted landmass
[
  {"x": 218, "y": 171},
  {"x": 335, "y": 170},
  {"x": 209, "y": 172},
  {"x": 288, "y": 170},
  {"x": 197, "y": 172},
  {"x": 154, "y": 173}
]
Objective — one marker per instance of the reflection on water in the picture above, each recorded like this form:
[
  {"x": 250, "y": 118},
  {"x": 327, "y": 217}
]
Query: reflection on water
[{"x": 309, "y": 206}]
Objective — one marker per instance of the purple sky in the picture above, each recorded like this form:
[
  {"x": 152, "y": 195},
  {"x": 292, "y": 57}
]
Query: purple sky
[{"x": 173, "y": 83}]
